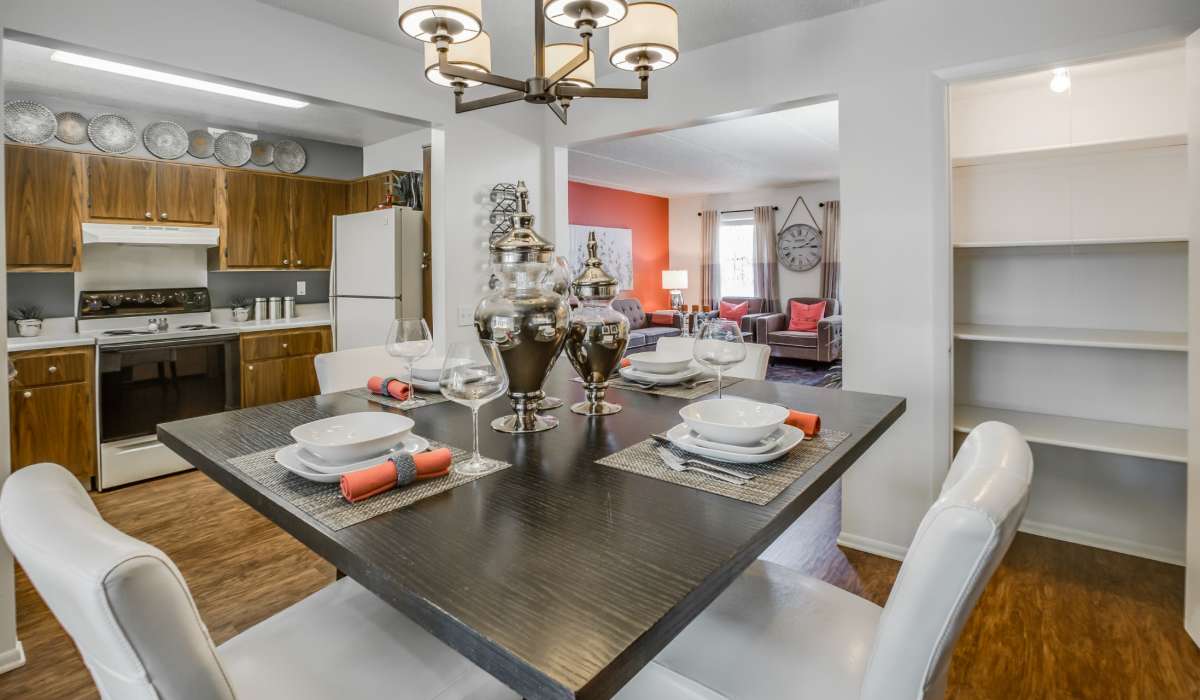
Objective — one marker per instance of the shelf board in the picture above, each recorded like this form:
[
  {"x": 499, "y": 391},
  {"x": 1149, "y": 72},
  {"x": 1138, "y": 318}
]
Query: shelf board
[
  {"x": 1074, "y": 337},
  {"x": 1071, "y": 150},
  {"x": 1168, "y": 444},
  {"x": 1017, "y": 243}
]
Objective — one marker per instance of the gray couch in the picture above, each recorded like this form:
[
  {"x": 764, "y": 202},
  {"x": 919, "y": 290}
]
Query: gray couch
[
  {"x": 821, "y": 345},
  {"x": 642, "y": 335}
]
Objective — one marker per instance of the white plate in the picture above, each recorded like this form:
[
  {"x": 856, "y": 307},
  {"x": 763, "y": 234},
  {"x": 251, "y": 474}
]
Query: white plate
[
  {"x": 660, "y": 379},
  {"x": 353, "y": 437},
  {"x": 659, "y": 363},
  {"x": 766, "y": 445},
  {"x": 287, "y": 458},
  {"x": 679, "y": 438},
  {"x": 412, "y": 445}
]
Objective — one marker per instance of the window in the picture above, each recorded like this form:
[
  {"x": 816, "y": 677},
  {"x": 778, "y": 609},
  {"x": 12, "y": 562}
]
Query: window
[{"x": 735, "y": 249}]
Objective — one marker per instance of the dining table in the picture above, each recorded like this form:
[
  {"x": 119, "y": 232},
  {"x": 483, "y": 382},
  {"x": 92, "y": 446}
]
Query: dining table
[{"x": 559, "y": 576}]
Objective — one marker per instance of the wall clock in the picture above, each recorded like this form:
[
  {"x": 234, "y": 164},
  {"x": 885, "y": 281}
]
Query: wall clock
[{"x": 799, "y": 247}]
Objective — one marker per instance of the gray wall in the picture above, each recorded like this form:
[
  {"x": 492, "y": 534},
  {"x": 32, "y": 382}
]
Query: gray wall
[
  {"x": 54, "y": 292},
  {"x": 324, "y": 159}
]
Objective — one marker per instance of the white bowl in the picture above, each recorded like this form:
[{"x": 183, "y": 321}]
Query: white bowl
[
  {"x": 659, "y": 363},
  {"x": 354, "y": 436},
  {"x": 733, "y": 421},
  {"x": 428, "y": 368}
]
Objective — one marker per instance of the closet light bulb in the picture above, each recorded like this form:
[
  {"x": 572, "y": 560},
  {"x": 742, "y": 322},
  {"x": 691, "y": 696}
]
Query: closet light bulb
[{"x": 1061, "y": 82}]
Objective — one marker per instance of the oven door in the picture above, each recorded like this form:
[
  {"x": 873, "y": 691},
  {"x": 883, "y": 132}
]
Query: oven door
[{"x": 146, "y": 383}]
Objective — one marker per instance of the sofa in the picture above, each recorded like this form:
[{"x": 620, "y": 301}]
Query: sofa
[
  {"x": 755, "y": 309},
  {"x": 643, "y": 335},
  {"x": 821, "y": 345}
]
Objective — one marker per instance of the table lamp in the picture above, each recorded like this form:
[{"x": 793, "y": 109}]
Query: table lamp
[{"x": 676, "y": 281}]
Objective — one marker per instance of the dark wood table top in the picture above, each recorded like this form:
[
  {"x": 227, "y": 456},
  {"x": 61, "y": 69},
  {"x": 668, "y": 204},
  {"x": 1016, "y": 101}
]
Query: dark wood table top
[{"x": 561, "y": 577}]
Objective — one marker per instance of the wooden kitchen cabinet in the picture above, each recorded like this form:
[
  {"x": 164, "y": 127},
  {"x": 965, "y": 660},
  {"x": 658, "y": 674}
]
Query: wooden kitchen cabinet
[
  {"x": 52, "y": 410},
  {"x": 314, "y": 203},
  {"x": 43, "y": 195},
  {"x": 278, "y": 365},
  {"x": 185, "y": 194},
  {"x": 120, "y": 189},
  {"x": 257, "y": 226}
]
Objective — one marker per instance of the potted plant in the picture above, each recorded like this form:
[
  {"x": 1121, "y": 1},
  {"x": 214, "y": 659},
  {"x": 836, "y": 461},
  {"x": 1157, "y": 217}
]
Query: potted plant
[
  {"x": 241, "y": 309},
  {"x": 28, "y": 320}
]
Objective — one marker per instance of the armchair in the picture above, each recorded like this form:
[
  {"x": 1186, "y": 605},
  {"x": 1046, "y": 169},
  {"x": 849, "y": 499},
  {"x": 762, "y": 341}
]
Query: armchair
[
  {"x": 755, "y": 305},
  {"x": 821, "y": 345}
]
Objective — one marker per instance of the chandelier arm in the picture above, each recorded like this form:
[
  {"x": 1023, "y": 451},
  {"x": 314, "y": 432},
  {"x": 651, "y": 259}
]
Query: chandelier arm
[
  {"x": 571, "y": 65},
  {"x": 501, "y": 99},
  {"x": 539, "y": 39},
  {"x": 641, "y": 93},
  {"x": 449, "y": 69},
  {"x": 558, "y": 112}
]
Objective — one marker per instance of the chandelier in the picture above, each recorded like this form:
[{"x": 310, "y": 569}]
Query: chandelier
[{"x": 643, "y": 37}]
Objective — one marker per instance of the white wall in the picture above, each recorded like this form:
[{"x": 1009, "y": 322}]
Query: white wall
[
  {"x": 888, "y": 64},
  {"x": 1192, "y": 600},
  {"x": 685, "y": 230},
  {"x": 403, "y": 152}
]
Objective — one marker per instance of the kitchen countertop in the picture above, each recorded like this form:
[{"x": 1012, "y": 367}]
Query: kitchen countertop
[
  {"x": 283, "y": 323},
  {"x": 42, "y": 342}
]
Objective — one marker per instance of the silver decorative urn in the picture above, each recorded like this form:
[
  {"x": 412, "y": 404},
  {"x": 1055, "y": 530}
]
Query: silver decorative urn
[
  {"x": 598, "y": 334},
  {"x": 524, "y": 317}
]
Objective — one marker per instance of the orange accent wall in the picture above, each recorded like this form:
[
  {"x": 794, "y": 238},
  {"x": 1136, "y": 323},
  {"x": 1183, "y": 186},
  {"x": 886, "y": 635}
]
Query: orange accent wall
[{"x": 649, "y": 218}]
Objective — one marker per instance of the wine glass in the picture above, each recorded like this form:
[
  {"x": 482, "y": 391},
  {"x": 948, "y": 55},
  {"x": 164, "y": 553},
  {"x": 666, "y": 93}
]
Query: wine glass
[
  {"x": 472, "y": 375},
  {"x": 719, "y": 346},
  {"x": 409, "y": 339}
]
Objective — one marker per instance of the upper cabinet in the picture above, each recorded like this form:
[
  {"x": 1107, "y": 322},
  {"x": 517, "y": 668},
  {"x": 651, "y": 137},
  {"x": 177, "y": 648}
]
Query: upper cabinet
[
  {"x": 43, "y": 194},
  {"x": 120, "y": 189},
  {"x": 314, "y": 203},
  {"x": 186, "y": 193},
  {"x": 277, "y": 221}
]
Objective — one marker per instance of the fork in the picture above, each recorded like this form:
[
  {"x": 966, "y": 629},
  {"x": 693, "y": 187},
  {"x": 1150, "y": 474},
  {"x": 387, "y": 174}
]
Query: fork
[
  {"x": 665, "y": 441},
  {"x": 674, "y": 463}
]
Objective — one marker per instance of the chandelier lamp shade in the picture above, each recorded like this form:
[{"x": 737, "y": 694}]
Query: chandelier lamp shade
[{"x": 643, "y": 37}]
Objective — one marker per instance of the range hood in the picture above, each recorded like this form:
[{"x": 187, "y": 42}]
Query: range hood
[{"x": 140, "y": 234}]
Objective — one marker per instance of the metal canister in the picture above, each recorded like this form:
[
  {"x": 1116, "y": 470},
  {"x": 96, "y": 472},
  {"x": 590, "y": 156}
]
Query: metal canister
[
  {"x": 260, "y": 308},
  {"x": 598, "y": 334},
  {"x": 275, "y": 308},
  {"x": 289, "y": 307}
]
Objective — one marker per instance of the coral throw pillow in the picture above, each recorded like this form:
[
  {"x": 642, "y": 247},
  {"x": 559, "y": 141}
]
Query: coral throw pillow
[
  {"x": 805, "y": 316},
  {"x": 734, "y": 312}
]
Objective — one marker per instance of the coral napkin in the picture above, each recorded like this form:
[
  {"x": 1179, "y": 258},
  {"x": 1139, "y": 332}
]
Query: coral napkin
[
  {"x": 810, "y": 423},
  {"x": 625, "y": 362},
  {"x": 399, "y": 470},
  {"x": 389, "y": 386}
]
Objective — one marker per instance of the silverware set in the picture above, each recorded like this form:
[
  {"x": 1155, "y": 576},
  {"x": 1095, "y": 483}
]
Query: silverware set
[
  {"x": 682, "y": 385},
  {"x": 715, "y": 471}
]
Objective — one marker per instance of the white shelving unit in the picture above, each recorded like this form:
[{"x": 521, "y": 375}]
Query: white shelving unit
[{"x": 1070, "y": 236}]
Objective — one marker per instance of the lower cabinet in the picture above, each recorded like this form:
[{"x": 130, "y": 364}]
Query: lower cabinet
[
  {"x": 52, "y": 410},
  {"x": 278, "y": 365}
]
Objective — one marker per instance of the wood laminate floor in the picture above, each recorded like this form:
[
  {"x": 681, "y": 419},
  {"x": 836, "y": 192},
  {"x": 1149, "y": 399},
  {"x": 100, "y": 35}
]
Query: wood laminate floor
[{"x": 1057, "y": 621}]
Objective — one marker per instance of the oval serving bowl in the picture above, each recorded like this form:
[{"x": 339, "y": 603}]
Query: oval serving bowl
[
  {"x": 733, "y": 421},
  {"x": 354, "y": 436},
  {"x": 659, "y": 363}
]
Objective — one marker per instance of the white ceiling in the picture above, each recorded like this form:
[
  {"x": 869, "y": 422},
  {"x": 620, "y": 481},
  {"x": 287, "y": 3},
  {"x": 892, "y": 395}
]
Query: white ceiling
[
  {"x": 28, "y": 69},
  {"x": 510, "y": 23},
  {"x": 736, "y": 155}
]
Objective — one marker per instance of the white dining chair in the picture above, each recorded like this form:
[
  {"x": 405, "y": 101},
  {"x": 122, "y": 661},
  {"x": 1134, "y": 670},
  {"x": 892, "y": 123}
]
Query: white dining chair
[
  {"x": 350, "y": 369},
  {"x": 775, "y": 633},
  {"x": 133, "y": 619},
  {"x": 753, "y": 367}
]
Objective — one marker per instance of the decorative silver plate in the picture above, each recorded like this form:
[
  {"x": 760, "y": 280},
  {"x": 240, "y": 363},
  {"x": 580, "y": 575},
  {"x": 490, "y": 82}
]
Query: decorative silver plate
[
  {"x": 72, "y": 128},
  {"x": 112, "y": 133},
  {"x": 200, "y": 143},
  {"x": 28, "y": 122},
  {"x": 289, "y": 156},
  {"x": 166, "y": 140},
  {"x": 262, "y": 152},
  {"x": 232, "y": 149}
]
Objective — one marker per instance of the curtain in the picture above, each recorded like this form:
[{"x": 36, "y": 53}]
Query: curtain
[
  {"x": 831, "y": 261},
  {"x": 766, "y": 266},
  {"x": 710, "y": 258}
]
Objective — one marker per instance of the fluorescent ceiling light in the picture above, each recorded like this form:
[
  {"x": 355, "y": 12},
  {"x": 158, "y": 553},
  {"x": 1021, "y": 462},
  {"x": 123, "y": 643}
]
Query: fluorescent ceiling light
[{"x": 172, "y": 79}]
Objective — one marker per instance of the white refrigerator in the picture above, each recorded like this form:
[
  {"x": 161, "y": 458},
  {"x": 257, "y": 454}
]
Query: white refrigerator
[{"x": 376, "y": 275}]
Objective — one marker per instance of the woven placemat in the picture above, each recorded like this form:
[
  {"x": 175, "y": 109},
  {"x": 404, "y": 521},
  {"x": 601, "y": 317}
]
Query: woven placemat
[
  {"x": 770, "y": 478},
  {"x": 430, "y": 399},
  {"x": 324, "y": 502},
  {"x": 679, "y": 391}
]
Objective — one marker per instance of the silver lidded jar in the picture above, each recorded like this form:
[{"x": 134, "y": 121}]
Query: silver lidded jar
[
  {"x": 525, "y": 317},
  {"x": 598, "y": 334}
]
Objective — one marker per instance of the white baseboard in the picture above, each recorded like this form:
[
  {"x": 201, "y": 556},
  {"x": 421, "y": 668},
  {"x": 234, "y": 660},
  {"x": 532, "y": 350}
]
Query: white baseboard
[
  {"x": 870, "y": 546},
  {"x": 13, "y": 658},
  {"x": 1113, "y": 544}
]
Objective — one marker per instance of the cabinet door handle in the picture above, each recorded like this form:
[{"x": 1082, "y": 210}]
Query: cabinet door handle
[
  {"x": 285, "y": 261},
  {"x": 52, "y": 369},
  {"x": 164, "y": 216},
  {"x": 299, "y": 262},
  {"x": 149, "y": 215},
  {"x": 250, "y": 368},
  {"x": 285, "y": 346},
  {"x": 29, "y": 394}
]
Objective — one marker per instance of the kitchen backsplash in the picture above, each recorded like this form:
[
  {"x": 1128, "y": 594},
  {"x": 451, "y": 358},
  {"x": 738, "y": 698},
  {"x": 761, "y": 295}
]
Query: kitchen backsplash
[{"x": 53, "y": 292}]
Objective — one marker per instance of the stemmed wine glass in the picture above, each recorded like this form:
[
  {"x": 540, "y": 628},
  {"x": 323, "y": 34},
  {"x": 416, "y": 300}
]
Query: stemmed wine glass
[
  {"x": 719, "y": 346},
  {"x": 472, "y": 375},
  {"x": 409, "y": 339}
]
